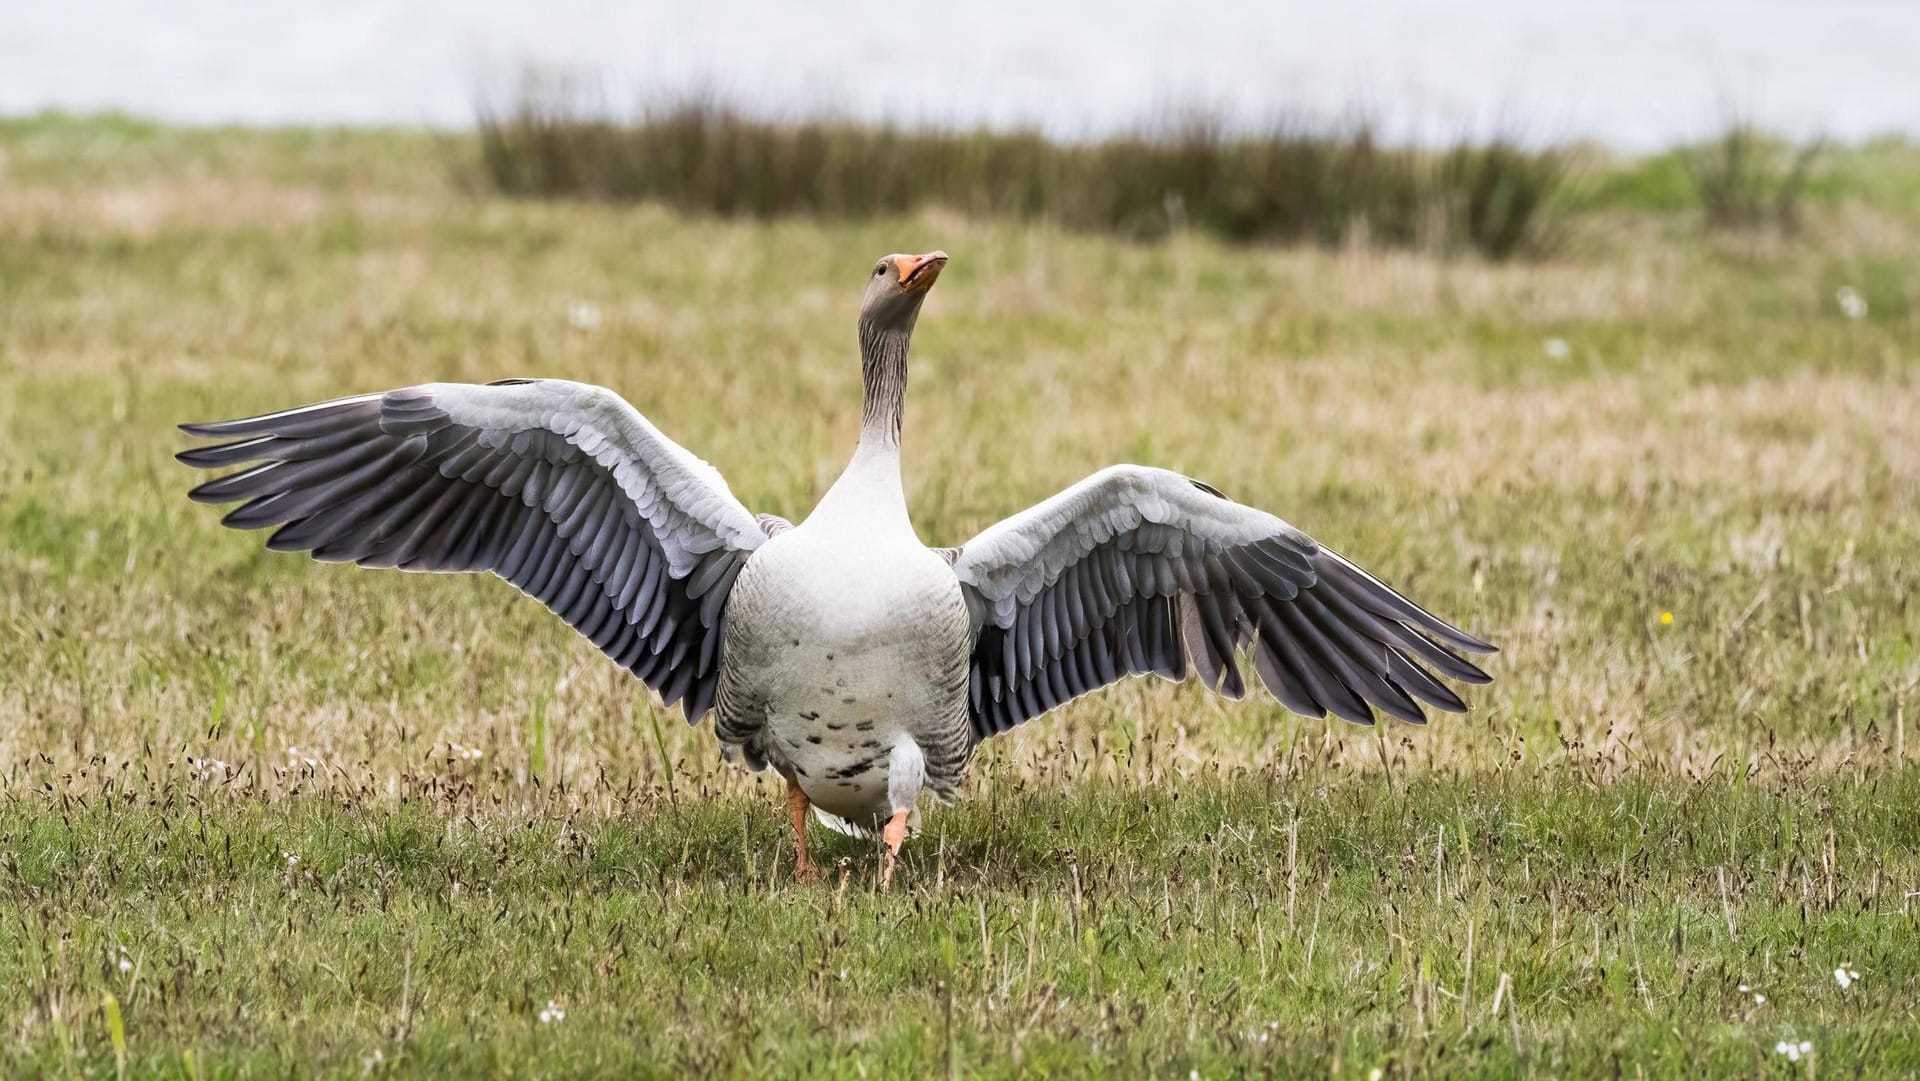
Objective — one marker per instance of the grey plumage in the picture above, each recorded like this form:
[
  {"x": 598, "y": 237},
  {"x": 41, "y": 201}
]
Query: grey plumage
[
  {"x": 1139, "y": 570},
  {"x": 842, "y": 651},
  {"x": 560, "y": 488}
]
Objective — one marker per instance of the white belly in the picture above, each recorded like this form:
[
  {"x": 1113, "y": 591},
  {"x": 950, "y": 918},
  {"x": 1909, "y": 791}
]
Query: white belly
[{"x": 837, "y": 647}]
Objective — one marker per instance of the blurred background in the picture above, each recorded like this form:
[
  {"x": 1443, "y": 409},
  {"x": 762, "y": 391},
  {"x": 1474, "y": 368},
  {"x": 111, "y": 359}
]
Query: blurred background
[
  {"x": 1446, "y": 127},
  {"x": 1632, "y": 74},
  {"x": 1592, "y": 326}
]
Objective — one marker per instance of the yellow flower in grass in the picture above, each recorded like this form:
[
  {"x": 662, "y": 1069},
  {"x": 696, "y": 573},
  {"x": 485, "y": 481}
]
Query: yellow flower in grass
[{"x": 1666, "y": 619}]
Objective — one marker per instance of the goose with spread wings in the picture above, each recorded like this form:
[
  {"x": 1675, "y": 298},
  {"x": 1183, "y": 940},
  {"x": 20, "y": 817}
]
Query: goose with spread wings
[{"x": 860, "y": 664}]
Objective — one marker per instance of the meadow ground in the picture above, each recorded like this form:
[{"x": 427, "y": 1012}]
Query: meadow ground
[{"x": 266, "y": 818}]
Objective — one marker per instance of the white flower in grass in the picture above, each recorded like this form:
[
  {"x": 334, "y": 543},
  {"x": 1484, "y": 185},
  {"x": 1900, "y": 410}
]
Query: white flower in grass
[
  {"x": 1793, "y": 1051},
  {"x": 125, "y": 964},
  {"x": 1846, "y": 976},
  {"x": 1852, "y": 304},
  {"x": 1558, "y": 349},
  {"x": 553, "y": 1014},
  {"x": 292, "y": 860},
  {"x": 1759, "y": 999},
  {"x": 582, "y": 315},
  {"x": 205, "y": 769}
]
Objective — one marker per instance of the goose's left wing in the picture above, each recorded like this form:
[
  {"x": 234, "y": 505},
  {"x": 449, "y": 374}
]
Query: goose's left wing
[{"x": 1138, "y": 570}]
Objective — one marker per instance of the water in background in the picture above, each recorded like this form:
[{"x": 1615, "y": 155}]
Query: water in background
[{"x": 1633, "y": 73}]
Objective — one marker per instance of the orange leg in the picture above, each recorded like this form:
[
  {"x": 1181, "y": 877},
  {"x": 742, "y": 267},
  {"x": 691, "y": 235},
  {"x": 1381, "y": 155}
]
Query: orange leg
[
  {"x": 894, "y": 833},
  {"x": 797, "y": 807}
]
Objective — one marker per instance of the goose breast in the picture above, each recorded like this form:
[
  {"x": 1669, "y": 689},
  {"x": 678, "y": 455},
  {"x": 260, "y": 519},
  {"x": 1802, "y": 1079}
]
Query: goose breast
[{"x": 837, "y": 646}]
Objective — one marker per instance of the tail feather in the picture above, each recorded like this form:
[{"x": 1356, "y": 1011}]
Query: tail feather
[
  {"x": 840, "y": 825},
  {"x": 864, "y": 830}
]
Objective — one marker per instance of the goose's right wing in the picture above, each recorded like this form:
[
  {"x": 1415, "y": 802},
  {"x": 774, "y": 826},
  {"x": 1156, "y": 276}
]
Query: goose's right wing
[{"x": 561, "y": 488}]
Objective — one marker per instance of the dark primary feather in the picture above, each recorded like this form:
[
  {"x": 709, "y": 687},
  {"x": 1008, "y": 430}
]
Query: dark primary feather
[
  {"x": 1089, "y": 588},
  {"x": 394, "y": 480}
]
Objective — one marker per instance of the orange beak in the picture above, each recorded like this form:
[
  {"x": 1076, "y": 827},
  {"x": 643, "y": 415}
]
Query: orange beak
[{"x": 917, "y": 272}]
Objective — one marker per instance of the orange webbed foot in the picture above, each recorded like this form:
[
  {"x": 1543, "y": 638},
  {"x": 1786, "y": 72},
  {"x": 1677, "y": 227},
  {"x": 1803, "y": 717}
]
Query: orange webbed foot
[
  {"x": 797, "y": 807},
  {"x": 893, "y": 835}
]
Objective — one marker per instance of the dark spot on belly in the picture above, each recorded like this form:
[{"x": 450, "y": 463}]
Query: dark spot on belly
[
  {"x": 798, "y": 768},
  {"x": 813, "y": 739},
  {"x": 870, "y": 743},
  {"x": 831, "y": 727},
  {"x": 863, "y": 726},
  {"x": 829, "y": 656},
  {"x": 805, "y": 716},
  {"x": 861, "y": 767},
  {"x": 847, "y": 701},
  {"x": 796, "y": 641}
]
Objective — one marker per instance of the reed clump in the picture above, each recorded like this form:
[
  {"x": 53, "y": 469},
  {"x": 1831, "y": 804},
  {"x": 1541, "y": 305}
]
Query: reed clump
[
  {"x": 1746, "y": 179},
  {"x": 1289, "y": 183}
]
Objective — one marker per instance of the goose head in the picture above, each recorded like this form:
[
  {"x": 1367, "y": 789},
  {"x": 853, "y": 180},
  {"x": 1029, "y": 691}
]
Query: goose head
[{"x": 896, "y": 286}]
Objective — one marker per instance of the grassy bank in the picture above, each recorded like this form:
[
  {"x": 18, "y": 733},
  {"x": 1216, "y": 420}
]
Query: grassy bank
[{"x": 1669, "y": 471}]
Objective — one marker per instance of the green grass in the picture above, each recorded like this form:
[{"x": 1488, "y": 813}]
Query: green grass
[
  {"x": 1575, "y": 880},
  {"x": 1286, "y": 920}
]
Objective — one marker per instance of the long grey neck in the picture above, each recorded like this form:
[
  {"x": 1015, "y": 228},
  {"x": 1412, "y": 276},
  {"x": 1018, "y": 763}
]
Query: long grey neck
[
  {"x": 868, "y": 495},
  {"x": 883, "y": 365}
]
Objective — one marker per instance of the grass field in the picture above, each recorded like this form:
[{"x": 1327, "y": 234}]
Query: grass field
[{"x": 266, "y": 818}]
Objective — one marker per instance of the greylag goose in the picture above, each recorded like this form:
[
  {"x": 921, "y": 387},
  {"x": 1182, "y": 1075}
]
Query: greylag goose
[{"x": 860, "y": 664}]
